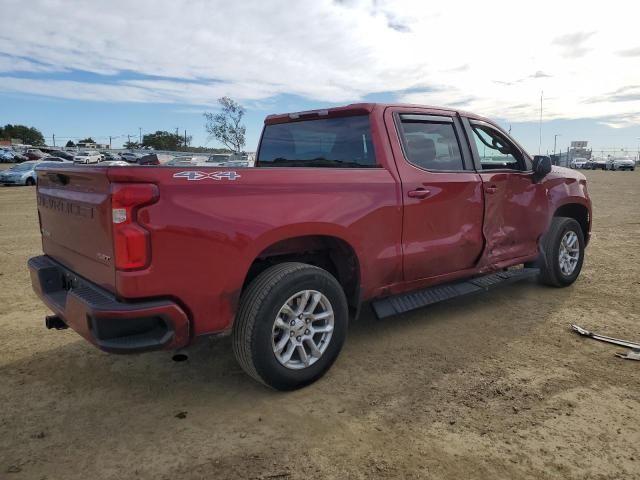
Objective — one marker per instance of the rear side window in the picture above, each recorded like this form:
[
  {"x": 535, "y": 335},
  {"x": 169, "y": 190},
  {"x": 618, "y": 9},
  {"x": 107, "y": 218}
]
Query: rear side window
[
  {"x": 431, "y": 145},
  {"x": 330, "y": 142}
]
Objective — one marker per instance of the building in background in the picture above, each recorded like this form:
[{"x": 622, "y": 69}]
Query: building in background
[
  {"x": 578, "y": 149},
  {"x": 93, "y": 146}
]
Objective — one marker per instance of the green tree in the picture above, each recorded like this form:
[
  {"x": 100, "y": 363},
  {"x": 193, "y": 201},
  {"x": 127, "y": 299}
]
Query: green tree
[
  {"x": 28, "y": 135},
  {"x": 70, "y": 144},
  {"x": 131, "y": 145},
  {"x": 226, "y": 126},
  {"x": 163, "y": 140},
  {"x": 87, "y": 140}
]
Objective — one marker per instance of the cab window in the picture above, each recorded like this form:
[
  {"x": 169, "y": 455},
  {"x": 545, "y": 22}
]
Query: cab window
[
  {"x": 495, "y": 151},
  {"x": 431, "y": 145}
]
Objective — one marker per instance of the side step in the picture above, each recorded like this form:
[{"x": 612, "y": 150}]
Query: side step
[{"x": 405, "y": 302}]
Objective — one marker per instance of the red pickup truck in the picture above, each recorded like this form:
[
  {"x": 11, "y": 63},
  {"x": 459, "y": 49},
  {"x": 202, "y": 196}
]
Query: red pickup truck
[{"x": 398, "y": 205}]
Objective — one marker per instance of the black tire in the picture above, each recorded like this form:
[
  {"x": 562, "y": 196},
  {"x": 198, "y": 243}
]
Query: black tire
[
  {"x": 259, "y": 306},
  {"x": 550, "y": 271},
  {"x": 30, "y": 182}
]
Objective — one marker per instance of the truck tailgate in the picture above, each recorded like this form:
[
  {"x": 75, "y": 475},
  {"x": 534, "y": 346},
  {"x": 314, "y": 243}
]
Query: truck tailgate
[{"x": 74, "y": 208}]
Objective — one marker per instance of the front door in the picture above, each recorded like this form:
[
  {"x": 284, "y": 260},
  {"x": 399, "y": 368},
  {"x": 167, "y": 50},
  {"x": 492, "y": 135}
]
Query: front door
[
  {"x": 515, "y": 205},
  {"x": 442, "y": 194}
]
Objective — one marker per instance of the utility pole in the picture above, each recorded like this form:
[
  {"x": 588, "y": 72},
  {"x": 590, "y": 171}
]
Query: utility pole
[
  {"x": 54, "y": 139},
  {"x": 140, "y": 131},
  {"x": 540, "y": 128},
  {"x": 185, "y": 139},
  {"x": 109, "y": 142},
  {"x": 555, "y": 139}
]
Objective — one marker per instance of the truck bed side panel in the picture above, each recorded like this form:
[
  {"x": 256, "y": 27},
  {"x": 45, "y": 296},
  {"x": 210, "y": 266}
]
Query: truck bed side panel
[{"x": 206, "y": 233}]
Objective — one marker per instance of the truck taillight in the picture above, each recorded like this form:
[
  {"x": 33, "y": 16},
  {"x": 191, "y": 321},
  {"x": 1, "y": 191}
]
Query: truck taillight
[{"x": 131, "y": 245}]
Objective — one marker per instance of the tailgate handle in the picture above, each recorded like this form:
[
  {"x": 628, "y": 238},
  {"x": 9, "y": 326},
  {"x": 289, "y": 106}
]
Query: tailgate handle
[{"x": 59, "y": 178}]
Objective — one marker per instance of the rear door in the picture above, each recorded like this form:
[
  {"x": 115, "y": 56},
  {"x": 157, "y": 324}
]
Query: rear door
[
  {"x": 516, "y": 206},
  {"x": 75, "y": 220},
  {"x": 442, "y": 196}
]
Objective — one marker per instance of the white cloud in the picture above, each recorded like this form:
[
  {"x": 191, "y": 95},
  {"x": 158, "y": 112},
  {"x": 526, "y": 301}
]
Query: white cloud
[
  {"x": 491, "y": 57},
  {"x": 16, "y": 64}
]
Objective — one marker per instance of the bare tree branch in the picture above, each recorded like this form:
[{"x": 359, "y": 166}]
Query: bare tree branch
[{"x": 226, "y": 126}]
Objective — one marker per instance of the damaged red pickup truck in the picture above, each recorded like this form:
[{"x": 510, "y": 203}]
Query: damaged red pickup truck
[{"x": 402, "y": 206}]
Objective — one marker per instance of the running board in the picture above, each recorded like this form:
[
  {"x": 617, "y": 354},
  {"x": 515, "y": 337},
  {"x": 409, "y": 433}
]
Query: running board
[{"x": 405, "y": 302}]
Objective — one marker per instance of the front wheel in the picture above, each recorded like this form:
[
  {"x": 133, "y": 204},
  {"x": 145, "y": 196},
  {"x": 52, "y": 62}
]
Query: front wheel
[
  {"x": 30, "y": 182},
  {"x": 563, "y": 247},
  {"x": 291, "y": 325}
]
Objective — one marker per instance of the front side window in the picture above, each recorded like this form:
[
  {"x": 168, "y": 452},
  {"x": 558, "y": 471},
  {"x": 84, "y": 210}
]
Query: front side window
[
  {"x": 432, "y": 145},
  {"x": 330, "y": 142},
  {"x": 495, "y": 151}
]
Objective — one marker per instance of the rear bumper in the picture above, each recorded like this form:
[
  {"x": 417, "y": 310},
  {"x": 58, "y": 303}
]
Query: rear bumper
[{"x": 111, "y": 325}]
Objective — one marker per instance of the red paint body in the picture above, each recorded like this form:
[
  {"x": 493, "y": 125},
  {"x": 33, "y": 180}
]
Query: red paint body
[{"x": 204, "y": 235}]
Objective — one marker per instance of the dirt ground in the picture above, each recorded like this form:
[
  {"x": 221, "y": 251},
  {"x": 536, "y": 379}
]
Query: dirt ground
[{"x": 491, "y": 387}]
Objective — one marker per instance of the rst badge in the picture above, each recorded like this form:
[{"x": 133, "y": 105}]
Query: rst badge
[{"x": 197, "y": 175}]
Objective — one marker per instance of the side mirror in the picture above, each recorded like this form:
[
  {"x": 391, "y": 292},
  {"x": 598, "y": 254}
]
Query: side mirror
[{"x": 541, "y": 166}]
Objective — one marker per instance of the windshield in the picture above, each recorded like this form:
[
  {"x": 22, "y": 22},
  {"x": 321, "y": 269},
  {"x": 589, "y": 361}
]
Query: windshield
[{"x": 330, "y": 142}]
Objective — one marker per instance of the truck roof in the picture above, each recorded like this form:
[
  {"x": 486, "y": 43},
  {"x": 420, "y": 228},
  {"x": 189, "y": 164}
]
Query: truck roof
[{"x": 359, "y": 109}]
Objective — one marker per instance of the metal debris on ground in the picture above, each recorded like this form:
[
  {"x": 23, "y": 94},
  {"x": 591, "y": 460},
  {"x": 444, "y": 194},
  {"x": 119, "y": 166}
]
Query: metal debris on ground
[{"x": 633, "y": 354}]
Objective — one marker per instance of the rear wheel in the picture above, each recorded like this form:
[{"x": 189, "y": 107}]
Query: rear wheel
[
  {"x": 291, "y": 325},
  {"x": 563, "y": 247}
]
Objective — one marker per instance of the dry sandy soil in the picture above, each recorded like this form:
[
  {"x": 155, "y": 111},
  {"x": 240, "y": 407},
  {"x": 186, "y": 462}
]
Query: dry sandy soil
[{"x": 490, "y": 387}]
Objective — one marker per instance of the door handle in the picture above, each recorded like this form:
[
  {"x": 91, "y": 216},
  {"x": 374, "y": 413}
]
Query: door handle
[
  {"x": 490, "y": 189},
  {"x": 419, "y": 193}
]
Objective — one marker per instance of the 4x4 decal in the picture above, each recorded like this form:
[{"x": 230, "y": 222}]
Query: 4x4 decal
[{"x": 197, "y": 175}]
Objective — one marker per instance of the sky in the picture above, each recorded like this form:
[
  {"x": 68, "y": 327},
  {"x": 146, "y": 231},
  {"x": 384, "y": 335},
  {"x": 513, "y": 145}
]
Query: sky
[{"x": 74, "y": 69}]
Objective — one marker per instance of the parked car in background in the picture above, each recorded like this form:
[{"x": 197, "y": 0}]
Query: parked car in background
[
  {"x": 596, "y": 164},
  {"x": 56, "y": 159},
  {"x": 185, "y": 160},
  {"x": 20, "y": 157},
  {"x": 87, "y": 157},
  {"x": 227, "y": 160},
  {"x": 578, "y": 163},
  {"x": 62, "y": 154},
  {"x": 219, "y": 158},
  {"x": 130, "y": 156},
  {"x": 149, "y": 159},
  {"x": 110, "y": 157},
  {"x": 35, "y": 154},
  {"x": 24, "y": 173},
  {"x": 622, "y": 163},
  {"x": 7, "y": 156},
  {"x": 114, "y": 163}
]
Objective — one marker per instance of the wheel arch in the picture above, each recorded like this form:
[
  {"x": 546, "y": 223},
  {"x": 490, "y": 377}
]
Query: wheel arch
[
  {"x": 330, "y": 252},
  {"x": 580, "y": 213}
]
